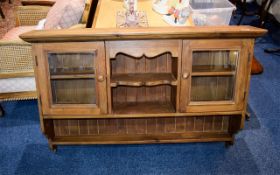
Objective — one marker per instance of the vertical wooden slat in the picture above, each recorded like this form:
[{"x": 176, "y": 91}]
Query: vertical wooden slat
[
  {"x": 218, "y": 123},
  {"x": 208, "y": 123},
  {"x": 161, "y": 62},
  {"x": 64, "y": 129},
  {"x": 83, "y": 127},
  {"x": 190, "y": 123},
  {"x": 121, "y": 129},
  {"x": 130, "y": 68},
  {"x": 141, "y": 91},
  {"x": 140, "y": 126},
  {"x": 93, "y": 128},
  {"x": 73, "y": 127},
  {"x": 170, "y": 125},
  {"x": 198, "y": 126},
  {"x": 131, "y": 126},
  {"x": 101, "y": 126},
  {"x": 56, "y": 127},
  {"x": 111, "y": 126},
  {"x": 151, "y": 125},
  {"x": 180, "y": 124},
  {"x": 160, "y": 125},
  {"x": 225, "y": 123}
]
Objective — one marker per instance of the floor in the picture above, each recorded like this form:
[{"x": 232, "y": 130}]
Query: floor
[{"x": 24, "y": 149}]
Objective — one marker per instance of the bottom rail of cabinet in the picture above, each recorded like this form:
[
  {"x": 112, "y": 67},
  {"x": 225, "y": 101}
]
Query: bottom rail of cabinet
[
  {"x": 142, "y": 131},
  {"x": 146, "y": 139}
]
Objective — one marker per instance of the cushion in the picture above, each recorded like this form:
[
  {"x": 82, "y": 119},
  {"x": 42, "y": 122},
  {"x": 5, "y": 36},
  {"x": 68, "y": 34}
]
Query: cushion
[
  {"x": 14, "y": 33},
  {"x": 17, "y": 84},
  {"x": 64, "y": 14}
]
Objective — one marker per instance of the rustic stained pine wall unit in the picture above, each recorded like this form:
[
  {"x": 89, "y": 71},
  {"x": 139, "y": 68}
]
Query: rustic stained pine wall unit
[{"x": 118, "y": 86}]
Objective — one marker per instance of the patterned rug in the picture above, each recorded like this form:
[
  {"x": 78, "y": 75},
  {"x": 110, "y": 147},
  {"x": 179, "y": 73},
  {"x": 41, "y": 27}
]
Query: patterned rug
[{"x": 9, "y": 21}]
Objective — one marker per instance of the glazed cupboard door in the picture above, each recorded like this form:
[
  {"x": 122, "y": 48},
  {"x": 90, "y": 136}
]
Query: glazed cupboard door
[
  {"x": 214, "y": 75},
  {"x": 71, "y": 78}
]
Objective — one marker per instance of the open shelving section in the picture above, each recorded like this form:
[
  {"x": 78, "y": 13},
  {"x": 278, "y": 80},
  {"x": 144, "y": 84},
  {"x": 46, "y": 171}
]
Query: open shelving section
[{"x": 144, "y": 85}]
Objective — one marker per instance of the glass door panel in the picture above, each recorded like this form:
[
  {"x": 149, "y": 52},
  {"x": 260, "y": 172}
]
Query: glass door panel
[
  {"x": 77, "y": 91},
  {"x": 71, "y": 63},
  {"x": 72, "y": 78},
  {"x": 213, "y": 75},
  {"x": 214, "y": 88},
  {"x": 214, "y": 61}
]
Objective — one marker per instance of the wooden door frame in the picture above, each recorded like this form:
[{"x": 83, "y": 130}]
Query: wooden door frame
[
  {"x": 44, "y": 79},
  {"x": 214, "y": 44}
]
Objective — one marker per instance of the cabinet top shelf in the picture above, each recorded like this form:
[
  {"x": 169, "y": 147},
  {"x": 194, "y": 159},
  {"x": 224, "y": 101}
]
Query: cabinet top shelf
[{"x": 196, "y": 32}]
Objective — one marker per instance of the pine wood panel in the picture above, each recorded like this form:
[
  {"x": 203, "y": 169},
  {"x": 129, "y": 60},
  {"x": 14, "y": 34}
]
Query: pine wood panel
[
  {"x": 145, "y": 139},
  {"x": 198, "y": 32},
  {"x": 139, "y": 48},
  {"x": 153, "y": 107},
  {"x": 145, "y": 126}
]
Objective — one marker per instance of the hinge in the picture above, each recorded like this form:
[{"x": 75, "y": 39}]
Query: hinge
[{"x": 36, "y": 61}]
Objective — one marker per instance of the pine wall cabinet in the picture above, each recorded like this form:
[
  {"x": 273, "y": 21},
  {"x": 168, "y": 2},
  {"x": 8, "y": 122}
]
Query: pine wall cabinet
[{"x": 126, "y": 86}]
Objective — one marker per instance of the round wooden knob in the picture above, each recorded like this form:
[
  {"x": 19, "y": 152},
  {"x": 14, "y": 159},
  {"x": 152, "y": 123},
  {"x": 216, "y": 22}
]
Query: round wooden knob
[
  {"x": 186, "y": 75},
  {"x": 100, "y": 78}
]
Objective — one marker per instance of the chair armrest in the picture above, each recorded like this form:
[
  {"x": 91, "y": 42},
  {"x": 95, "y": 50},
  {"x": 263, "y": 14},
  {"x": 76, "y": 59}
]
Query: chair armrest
[
  {"x": 30, "y": 15},
  {"x": 16, "y": 57}
]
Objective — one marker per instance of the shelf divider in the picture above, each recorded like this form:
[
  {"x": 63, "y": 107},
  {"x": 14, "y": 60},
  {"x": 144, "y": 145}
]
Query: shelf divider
[
  {"x": 143, "y": 79},
  {"x": 73, "y": 76},
  {"x": 213, "y": 73},
  {"x": 71, "y": 71}
]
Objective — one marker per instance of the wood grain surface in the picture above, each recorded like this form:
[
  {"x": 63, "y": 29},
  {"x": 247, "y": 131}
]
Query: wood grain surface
[{"x": 65, "y": 35}]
